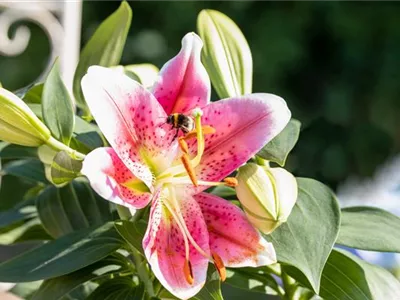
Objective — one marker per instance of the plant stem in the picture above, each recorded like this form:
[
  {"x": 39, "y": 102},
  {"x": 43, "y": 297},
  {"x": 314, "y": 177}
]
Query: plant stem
[
  {"x": 56, "y": 145},
  {"x": 141, "y": 267},
  {"x": 289, "y": 285}
]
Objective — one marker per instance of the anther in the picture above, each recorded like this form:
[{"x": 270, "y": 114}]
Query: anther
[
  {"x": 188, "y": 272},
  {"x": 219, "y": 265},
  {"x": 231, "y": 181},
  {"x": 189, "y": 168},
  {"x": 183, "y": 145},
  {"x": 207, "y": 129}
]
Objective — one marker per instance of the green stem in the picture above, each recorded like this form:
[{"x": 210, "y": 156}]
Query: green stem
[
  {"x": 262, "y": 162},
  {"x": 290, "y": 286},
  {"x": 143, "y": 273},
  {"x": 123, "y": 212},
  {"x": 56, "y": 145}
]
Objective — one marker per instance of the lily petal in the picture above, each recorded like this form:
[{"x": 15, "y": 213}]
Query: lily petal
[
  {"x": 183, "y": 82},
  {"x": 243, "y": 126},
  {"x": 107, "y": 175},
  {"x": 130, "y": 118},
  {"x": 164, "y": 247},
  {"x": 231, "y": 235}
]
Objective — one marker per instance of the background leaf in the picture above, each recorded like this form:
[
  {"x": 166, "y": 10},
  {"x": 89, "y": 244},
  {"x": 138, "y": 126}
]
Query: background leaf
[
  {"x": 225, "y": 55},
  {"x": 122, "y": 288},
  {"x": 71, "y": 208},
  {"x": 132, "y": 233},
  {"x": 212, "y": 287},
  {"x": 369, "y": 228},
  {"x": 280, "y": 146},
  {"x": 58, "y": 287},
  {"x": 104, "y": 48},
  {"x": 349, "y": 278},
  {"x": 315, "y": 221},
  {"x": 57, "y": 107},
  {"x": 29, "y": 169},
  {"x": 62, "y": 256}
]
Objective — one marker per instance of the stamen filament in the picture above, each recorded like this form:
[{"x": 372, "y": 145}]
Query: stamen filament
[
  {"x": 179, "y": 215},
  {"x": 229, "y": 181}
]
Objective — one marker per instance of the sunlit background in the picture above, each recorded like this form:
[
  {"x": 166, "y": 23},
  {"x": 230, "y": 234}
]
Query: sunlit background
[{"x": 337, "y": 65}]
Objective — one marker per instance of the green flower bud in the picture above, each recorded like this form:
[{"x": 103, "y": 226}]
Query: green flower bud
[
  {"x": 18, "y": 124},
  {"x": 267, "y": 195}
]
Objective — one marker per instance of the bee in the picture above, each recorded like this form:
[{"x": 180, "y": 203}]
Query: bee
[{"x": 180, "y": 122}]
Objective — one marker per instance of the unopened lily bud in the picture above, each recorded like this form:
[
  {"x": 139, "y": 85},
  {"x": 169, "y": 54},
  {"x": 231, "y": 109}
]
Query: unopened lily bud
[
  {"x": 267, "y": 195},
  {"x": 18, "y": 124}
]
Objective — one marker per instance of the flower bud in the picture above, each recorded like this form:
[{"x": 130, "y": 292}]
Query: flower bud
[
  {"x": 267, "y": 195},
  {"x": 18, "y": 124}
]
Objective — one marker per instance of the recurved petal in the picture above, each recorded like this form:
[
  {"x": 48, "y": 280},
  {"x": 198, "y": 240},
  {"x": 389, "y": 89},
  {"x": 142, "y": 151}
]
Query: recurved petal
[
  {"x": 130, "y": 117},
  {"x": 109, "y": 177},
  {"x": 165, "y": 248},
  {"x": 231, "y": 236},
  {"x": 243, "y": 126},
  {"x": 183, "y": 82}
]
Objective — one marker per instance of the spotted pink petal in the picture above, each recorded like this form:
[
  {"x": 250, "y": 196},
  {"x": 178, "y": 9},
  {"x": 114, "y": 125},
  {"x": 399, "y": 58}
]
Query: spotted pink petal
[
  {"x": 130, "y": 118},
  {"x": 164, "y": 247},
  {"x": 183, "y": 83},
  {"x": 231, "y": 235},
  {"x": 243, "y": 126},
  {"x": 106, "y": 173}
]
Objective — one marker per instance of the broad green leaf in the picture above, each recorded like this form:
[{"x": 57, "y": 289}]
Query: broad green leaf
[
  {"x": 34, "y": 94},
  {"x": 12, "y": 191},
  {"x": 73, "y": 207},
  {"x": 347, "y": 277},
  {"x": 25, "y": 289},
  {"x": 132, "y": 233},
  {"x": 104, "y": 48},
  {"x": 57, "y": 107},
  {"x": 122, "y": 288},
  {"x": 62, "y": 256},
  {"x": 58, "y": 287},
  {"x": 225, "y": 192},
  {"x": 146, "y": 74},
  {"x": 12, "y": 151},
  {"x": 369, "y": 228},
  {"x": 22, "y": 211},
  {"x": 307, "y": 238},
  {"x": 279, "y": 147},
  {"x": 252, "y": 279},
  {"x": 226, "y": 54},
  {"x": 30, "y": 169},
  {"x": 30, "y": 230},
  {"x": 64, "y": 168},
  {"x": 212, "y": 288}
]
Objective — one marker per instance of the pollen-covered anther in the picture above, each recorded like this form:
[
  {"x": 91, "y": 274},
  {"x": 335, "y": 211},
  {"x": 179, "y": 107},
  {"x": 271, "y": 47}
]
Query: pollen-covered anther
[
  {"x": 189, "y": 168},
  {"x": 183, "y": 145},
  {"x": 231, "y": 181},
  {"x": 219, "y": 265},
  {"x": 188, "y": 272}
]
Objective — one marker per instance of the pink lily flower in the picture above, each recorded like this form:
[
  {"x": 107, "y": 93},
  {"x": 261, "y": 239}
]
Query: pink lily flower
[{"x": 146, "y": 165}]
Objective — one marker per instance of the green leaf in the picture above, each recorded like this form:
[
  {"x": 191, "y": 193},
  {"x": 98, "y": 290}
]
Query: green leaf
[
  {"x": 25, "y": 289},
  {"x": 12, "y": 151},
  {"x": 34, "y": 94},
  {"x": 132, "y": 233},
  {"x": 13, "y": 190},
  {"x": 58, "y": 287},
  {"x": 20, "y": 212},
  {"x": 369, "y": 228},
  {"x": 64, "y": 168},
  {"x": 104, "y": 48},
  {"x": 146, "y": 74},
  {"x": 30, "y": 169},
  {"x": 31, "y": 230},
  {"x": 122, "y": 288},
  {"x": 226, "y": 54},
  {"x": 57, "y": 108},
  {"x": 212, "y": 287},
  {"x": 279, "y": 147},
  {"x": 307, "y": 238},
  {"x": 347, "y": 277},
  {"x": 62, "y": 256},
  {"x": 252, "y": 279},
  {"x": 225, "y": 192},
  {"x": 73, "y": 207}
]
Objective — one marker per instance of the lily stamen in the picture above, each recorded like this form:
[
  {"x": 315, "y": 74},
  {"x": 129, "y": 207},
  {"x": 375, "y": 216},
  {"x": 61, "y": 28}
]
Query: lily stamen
[{"x": 219, "y": 265}]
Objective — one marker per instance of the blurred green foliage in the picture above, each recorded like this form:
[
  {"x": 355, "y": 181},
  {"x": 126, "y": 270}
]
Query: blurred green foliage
[{"x": 336, "y": 63}]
